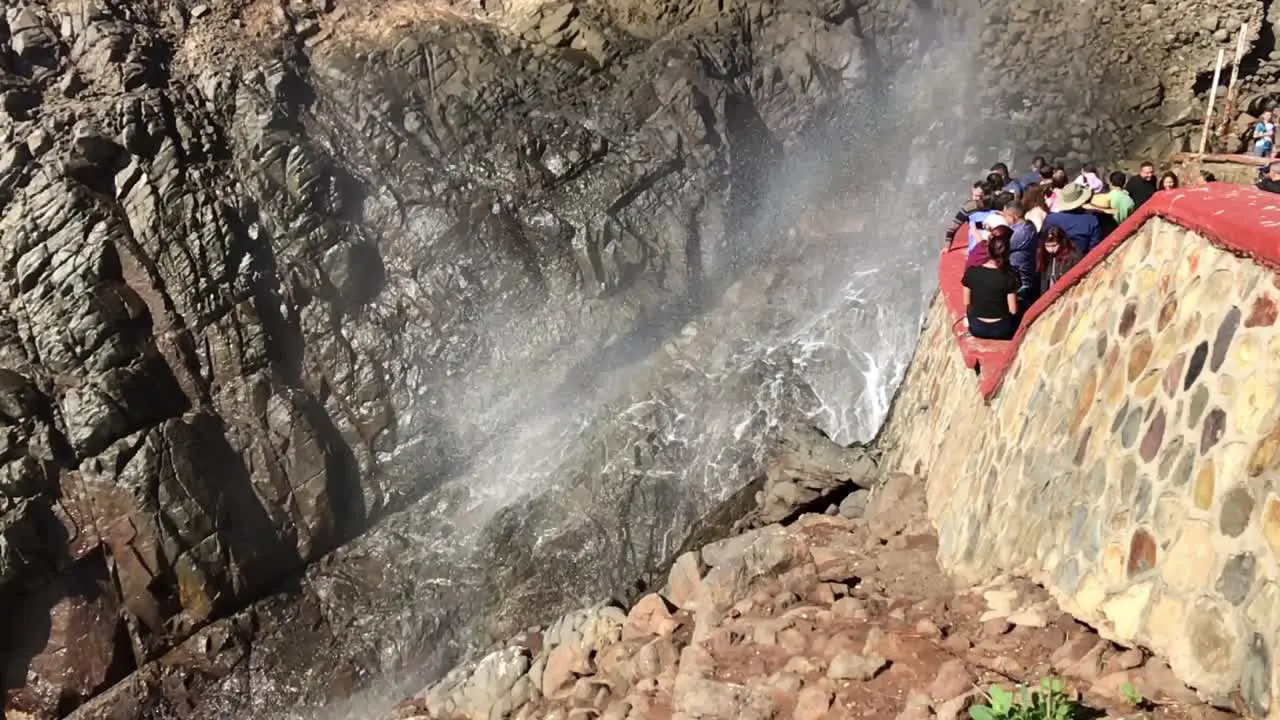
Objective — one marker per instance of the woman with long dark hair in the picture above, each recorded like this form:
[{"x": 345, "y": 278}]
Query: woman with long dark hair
[
  {"x": 1055, "y": 257},
  {"x": 1036, "y": 203},
  {"x": 990, "y": 291}
]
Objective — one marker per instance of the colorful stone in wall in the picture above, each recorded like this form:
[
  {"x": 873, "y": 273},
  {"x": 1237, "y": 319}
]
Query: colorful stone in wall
[
  {"x": 1213, "y": 645},
  {"x": 1255, "y": 679},
  {"x": 1215, "y": 423},
  {"x": 1271, "y": 525},
  {"x": 1264, "y": 455},
  {"x": 1083, "y": 448},
  {"x": 1167, "y": 312},
  {"x": 1191, "y": 558},
  {"x": 1142, "y": 553},
  {"x": 1202, "y": 491},
  {"x": 1085, "y": 400},
  {"x": 1237, "y": 508},
  {"x": 1222, "y": 341},
  {"x": 1139, "y": 355},
  {"x": 1188, "y": 464},
  {"x": 1153, "y": 438},
  {"x": 1132, "y": 424},
  {"x": 1127, "y": 318},
  {"x": 1263, "y": 312},
  {"x": 1198, "y": 358},
  {"x": 1237, "y": 576},
  {"x": 1199, "y": 399},
  {"x": 1173, "y": 374}
]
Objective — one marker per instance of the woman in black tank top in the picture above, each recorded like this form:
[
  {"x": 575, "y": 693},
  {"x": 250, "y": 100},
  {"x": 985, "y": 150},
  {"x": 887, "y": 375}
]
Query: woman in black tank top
[{"x": 990, "y": 298}]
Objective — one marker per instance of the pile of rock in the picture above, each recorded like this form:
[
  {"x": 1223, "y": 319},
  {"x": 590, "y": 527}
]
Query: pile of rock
[{"x": 818, "y": 619}]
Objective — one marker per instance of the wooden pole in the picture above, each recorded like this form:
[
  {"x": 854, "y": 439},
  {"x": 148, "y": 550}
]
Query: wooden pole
[
  {"x": 1229, "y": 108},
  {"x": 1213, "y": 98}
]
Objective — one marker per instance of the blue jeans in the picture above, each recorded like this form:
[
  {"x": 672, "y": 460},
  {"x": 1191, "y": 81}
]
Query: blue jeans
[{"x": 999, "y": 330}]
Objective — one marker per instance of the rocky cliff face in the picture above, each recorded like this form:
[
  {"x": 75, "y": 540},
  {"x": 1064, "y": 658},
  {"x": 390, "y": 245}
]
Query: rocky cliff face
[{"x": 271, "y": 273}]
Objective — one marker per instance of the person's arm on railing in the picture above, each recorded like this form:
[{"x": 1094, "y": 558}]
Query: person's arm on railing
[{"x": 960, "y": 220}]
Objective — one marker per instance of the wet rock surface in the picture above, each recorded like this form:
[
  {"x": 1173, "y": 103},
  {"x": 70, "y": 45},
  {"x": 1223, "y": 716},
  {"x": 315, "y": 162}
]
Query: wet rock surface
[
  {"x": 273, "y": 273},
  {"x": 257, "y": 259},
  {"x": 825, "y": 617}
]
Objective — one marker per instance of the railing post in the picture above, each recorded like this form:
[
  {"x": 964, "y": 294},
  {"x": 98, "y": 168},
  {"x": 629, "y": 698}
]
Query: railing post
[
  {"x": 1229, "y": 107},
  {"x": 1213, "y": 97}
]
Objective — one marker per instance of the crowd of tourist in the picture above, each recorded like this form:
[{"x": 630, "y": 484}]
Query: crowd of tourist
[{"x": 1024, "y": 233}]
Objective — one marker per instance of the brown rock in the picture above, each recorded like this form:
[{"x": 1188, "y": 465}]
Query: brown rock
[
  {"x": 792, "y": 641},
  {"x": 1157, "y": 682},
  {"x": 1126, "y": 660},
  {"x": 928, "y": 628},
  {"x": 850, "y": 608},
  {"x": 823, "y": 594},
  {"x": 953, "y": 679},
  {"x": 684, "y": 579},
  {"x": 1074, "y": 650},
  {"x": 852, "y": 666},
  {"x": 564, "y": 664},
  {"x": 649, "y": 616},
  {"x": 706, "y": 699},
  {"x": 812, "y": 704},
  {"x": 835, "y": 563},
  {"x": 996, "y": 627},
  {"x": 1111, "y": 686},
  {"x": 957, "y": 708}
]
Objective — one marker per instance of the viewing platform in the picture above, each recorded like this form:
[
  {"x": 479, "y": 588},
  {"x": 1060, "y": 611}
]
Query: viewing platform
[{"x": 1239, "y": 219}]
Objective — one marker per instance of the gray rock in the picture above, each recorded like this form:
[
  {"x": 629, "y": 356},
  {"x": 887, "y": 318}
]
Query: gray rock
[{"x": 855, "y": 504}]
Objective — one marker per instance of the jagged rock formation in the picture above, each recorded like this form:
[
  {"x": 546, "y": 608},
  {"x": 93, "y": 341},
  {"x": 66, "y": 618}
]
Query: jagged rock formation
[
  {"x": 1123, "y": 80},
  {"x": 236, "y": 286},
  {"x": 267, "y": 270},
  {"x": 824, "y": 618}
]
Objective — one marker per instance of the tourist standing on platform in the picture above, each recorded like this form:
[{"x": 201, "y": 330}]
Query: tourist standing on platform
[
  {"x": 990, "y": 291},
  {"x": 1264, "y": 135},
  {"x": 1271, "y": 181},
  {"x": 1169, "y": 181},
  {"x": 1080, "y": 225},
  {"x": 1022, "y": 254},
  {"x": 1143, "y": 185},
  {"x": 1034, "y": 202},
  {"x": 1055, "y": 257},
  {"x": 1036, "y": 174}
]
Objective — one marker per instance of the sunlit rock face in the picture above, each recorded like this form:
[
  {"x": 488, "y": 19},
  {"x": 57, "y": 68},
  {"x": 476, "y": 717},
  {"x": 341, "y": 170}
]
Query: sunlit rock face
[{"x": 338, "y": 336}]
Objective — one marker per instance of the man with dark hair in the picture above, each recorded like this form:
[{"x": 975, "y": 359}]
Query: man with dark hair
[
  {"x": 1118, "y": 199},
  {"x": 979, "y": 200},
  {"x": 1022, "y": 253},
  {"x": 1038, "y": 164},
  {"x": 1143, "y": 185},
  {"x": 1001, "y": 199},
  {"x": 1271, "y": 182},
  {"x": 1000, "y": 175}
]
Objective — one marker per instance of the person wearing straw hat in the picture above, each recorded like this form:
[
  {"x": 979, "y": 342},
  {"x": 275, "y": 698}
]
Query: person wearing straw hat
[{"x": 1069, "y": 213}]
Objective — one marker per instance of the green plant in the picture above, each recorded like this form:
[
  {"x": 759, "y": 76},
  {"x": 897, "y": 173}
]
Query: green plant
[
  {"x": 1048, "y": 702},
  {"x": 1134, "y": 697}
]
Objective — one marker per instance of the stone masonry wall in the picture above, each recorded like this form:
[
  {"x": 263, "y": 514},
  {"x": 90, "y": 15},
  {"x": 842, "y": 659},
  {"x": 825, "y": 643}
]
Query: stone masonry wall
[{"x": 1130, "y": 459}]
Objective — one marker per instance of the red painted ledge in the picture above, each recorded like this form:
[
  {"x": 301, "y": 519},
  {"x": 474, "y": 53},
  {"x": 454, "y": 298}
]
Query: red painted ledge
[{"x": 1241, "y": 220}]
